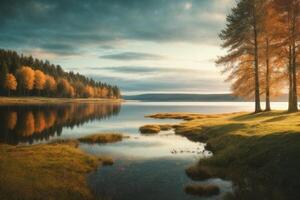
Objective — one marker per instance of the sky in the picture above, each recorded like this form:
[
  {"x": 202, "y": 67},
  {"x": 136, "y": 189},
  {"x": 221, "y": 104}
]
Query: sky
[{"x": 140, "y": 45}]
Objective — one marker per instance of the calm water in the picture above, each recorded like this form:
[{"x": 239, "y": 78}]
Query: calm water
[{"x": 146, "y": 167}]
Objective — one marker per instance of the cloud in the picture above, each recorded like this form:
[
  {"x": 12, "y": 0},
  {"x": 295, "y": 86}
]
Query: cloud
[
  {"x": 132, "y": 56},
  {"x": 175, "y": 84},
  {"x": 78, "y": 24}
]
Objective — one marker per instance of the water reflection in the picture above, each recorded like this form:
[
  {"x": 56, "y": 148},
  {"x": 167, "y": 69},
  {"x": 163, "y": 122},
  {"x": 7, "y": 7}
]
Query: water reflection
[{"x": 29, "y": 124}]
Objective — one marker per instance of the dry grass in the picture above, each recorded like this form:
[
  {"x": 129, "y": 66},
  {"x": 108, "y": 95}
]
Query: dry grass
[
  {"x": 46, "y": 171},
  {"x": 102, "y": 138},
  {"x": 202, "y": 190}
]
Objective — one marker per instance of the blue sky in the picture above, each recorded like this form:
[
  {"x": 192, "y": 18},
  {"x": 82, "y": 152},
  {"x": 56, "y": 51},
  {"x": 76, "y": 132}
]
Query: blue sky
[{"x": 142, "y": 46}]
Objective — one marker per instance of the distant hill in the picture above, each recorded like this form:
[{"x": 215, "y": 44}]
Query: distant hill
[{"x": 189, "y": 97}]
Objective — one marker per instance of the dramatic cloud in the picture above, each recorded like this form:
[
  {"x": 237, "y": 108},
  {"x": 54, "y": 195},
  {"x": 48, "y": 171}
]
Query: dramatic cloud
[
  {"x": 128, "y": 35},
  {"x": 132, "y": 56},
  {"x": 34, "y": 23}
]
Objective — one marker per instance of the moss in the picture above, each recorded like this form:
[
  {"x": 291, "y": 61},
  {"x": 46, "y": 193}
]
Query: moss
[
  {"x": 51, "y": 171},
  {"x": 202, "y": 190},
  {"x": 102, "y": 138}
]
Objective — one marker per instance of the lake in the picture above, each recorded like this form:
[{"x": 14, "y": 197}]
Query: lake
[{"x": 146, "y": 167}]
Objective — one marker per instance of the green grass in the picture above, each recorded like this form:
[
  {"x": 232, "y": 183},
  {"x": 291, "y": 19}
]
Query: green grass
[
  {"x": 259, "y": 152},
  {"x": 45, "y": 171},
  {"x": 102, "y": 138}
]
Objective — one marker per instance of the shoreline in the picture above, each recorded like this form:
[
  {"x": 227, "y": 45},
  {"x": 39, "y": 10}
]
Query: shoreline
[
  {"x": 258, "y": 152},
  {"x": 23, "y": 168},
  {"x": 53, "y": 100}
]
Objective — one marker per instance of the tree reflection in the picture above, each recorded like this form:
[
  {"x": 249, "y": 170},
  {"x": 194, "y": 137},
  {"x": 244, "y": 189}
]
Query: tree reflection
[{"x": 21, "y": 123}]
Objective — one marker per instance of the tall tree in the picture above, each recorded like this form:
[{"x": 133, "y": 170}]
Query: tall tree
[
  {"x": 25, "y": 77},
  {"x": 290, "y": 11},
  {"x": 3, "y": 74},
  {"x": 39, "y": 80},
  {"x": 272, "y": 32},
  {"x": 10, "y": 83},
  {"x": 240, "y": 38}
]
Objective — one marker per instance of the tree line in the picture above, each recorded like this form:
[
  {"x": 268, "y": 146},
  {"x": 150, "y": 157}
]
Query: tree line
[
  {"x": 262, "y": 42},
  {"x": 25, "y": 76}
]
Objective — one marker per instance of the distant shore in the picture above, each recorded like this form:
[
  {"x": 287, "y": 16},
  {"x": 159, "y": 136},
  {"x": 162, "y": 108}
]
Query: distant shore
[{"x": 54, "y": 100}]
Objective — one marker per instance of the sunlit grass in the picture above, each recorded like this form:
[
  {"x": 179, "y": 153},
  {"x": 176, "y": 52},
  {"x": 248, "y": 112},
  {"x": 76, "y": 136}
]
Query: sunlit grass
[
  {"x": 45, "y": 171},
  {"x": 257, "y": 151}
]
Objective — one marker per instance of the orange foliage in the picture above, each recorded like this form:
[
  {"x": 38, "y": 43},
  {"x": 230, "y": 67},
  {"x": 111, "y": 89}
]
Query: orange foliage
[
  {"x": 50, "y": 83},
  {"x": 65, "y": 89},
  {"x": 39, "y": 80},
  {"x": 26, "y": 77},
  {"x": 10, "y": 82},
  {"x": 89, "y": 91}
]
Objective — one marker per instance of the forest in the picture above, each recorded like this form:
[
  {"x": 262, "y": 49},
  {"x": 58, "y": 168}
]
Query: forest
[
  {"x": 26, "y": 76},
  {"x": 262, "y": 42}
]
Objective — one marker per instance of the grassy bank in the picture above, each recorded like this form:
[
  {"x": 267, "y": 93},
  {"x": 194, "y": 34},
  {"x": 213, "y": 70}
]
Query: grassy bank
[
  {"x": 258, "y": 152},
  {"x": 102, "y": 138},
  {"x": 46, "y": 171},
  {"x": 47, "y": 100}
]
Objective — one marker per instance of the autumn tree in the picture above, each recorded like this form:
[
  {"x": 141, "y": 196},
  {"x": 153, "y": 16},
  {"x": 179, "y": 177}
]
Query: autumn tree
[
  {"x": 289, "y": 12},
  {"x": 10, "y": 83},
  {"x": 240, "y": 38},
  {"x": 272, "y": 31},
  {"x": 65, "y": 89},
  {"x": 25, "y": 77},
  {"x": 89, "y": 91},
  {"x": 11, "y": 62},
  {"x": 50, "y": 85},
  {"x": 39, "y": 80}
]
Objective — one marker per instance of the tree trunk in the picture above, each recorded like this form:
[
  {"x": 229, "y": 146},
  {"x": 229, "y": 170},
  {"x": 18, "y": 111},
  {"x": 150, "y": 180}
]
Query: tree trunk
[
  {"x": 268, "y": 106},
  {"x": 290, "y": 108},
  {"x": 256, "y": 71},
  {"x": 293, "y": 100}
]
